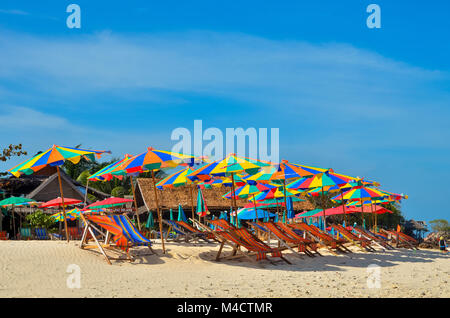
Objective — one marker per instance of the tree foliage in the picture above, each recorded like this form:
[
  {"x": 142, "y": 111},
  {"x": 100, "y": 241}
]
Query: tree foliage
[
  {"x": 11, "y": 151},
  {"x": 440, "y": 225},
  {"x": 39, "y": 219}
]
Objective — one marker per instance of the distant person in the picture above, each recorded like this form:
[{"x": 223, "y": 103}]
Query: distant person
[{"x": 442, "y": 245}]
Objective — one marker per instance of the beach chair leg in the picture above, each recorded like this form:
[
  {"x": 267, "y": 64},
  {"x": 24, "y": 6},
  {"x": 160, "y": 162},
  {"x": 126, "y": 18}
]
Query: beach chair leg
[
  {"x": 220, "y": 251},
  {"x": 284, "y": 259},
  {"x": 151, "y": 250},
  {"x": 84, "y": 236},
  {"x": 99, "y": 246}
]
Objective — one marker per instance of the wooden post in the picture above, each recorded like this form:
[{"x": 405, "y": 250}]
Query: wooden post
[
  {"x": 256, "y": 212},
  {"x": 86, "y": 193},
  {"x": 234, "y": 199},
  {"x": 62, "y": 202},
  {"x": 323, "y": 209},
  {"x": 159, "y": 212},
  {"x": 362, "y": 212},
  {"x": 343, "y": 208},
  {"x": 135, "y": 202},
  {"x": 192, "y": 201},
  {"x": 285, "y": 200},
  {"x": 13, "y": 221}
]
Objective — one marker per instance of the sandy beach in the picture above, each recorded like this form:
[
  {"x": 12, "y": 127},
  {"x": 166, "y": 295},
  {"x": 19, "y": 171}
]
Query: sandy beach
[{"x": 39, "y": 269}]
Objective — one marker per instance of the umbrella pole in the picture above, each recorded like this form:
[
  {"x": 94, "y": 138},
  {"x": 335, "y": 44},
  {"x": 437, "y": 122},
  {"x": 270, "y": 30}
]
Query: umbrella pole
[
  {"x": 62, "y": 202},
  {"x": 86, "y": 193},
  {"x": 373, "y": 217},
  {"x": 256, "y": 212},
  {"x": 323, "y": 209},
  {"x": 362, "y": 212},
  {"x": 13, "y": 219},
  {"x": 285, "y": 203},
  {"x": 234, "y": 199},
  {"x": 135, "y": 203},
  {"x": 343, "y": 208},
  {"x": 192, "y": 201},
  {"x": 159, "y": 213}
]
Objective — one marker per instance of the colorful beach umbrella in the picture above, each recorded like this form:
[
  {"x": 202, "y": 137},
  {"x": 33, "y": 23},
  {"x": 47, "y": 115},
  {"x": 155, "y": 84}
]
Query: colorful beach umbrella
[
  {"x": 202, "y": 208},
  {"x": 16, "y": 201},
  {"x": 109, "y": 203},
  {"x": 150, "y": 222},
  {"x": 181, "y": 215},
  {"x": 104, "y": 174},
  {"x": 55, "y": 157},
  {"x": 60, "y": 202},
  {"x": 152, "y": 160},
  {"x": 71, "y": 215},
  {"x": 228, "y": 167}
]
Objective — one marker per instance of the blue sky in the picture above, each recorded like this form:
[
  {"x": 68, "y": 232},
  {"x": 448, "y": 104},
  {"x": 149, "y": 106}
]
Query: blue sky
[{"x": 367, "y": 102}]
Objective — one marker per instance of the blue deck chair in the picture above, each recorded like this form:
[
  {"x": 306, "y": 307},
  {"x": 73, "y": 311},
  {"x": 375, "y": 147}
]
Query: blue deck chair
[{"x": 41, "y": 234}]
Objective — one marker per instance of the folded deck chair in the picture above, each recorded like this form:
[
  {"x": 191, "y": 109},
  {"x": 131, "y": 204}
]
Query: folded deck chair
[
  {"x": 373, "y": 238},
  {"x": 237, "y": 238},
  {"x": 322, "y": 238},
  {"x": 4, "y": 236},
  {"x": 360, "y": 242},
  {"x": 41, "y": 234},
  {"x": 285, "y": 239},
  {"x": 119, "y": 229},
  {"x": 25, "y": 233},
  {"x": 313, "y": 247},
  {"x": 401, "y": 240},
  {"x": 179, "y": 233},
  {"x": 202, "y": 235}
]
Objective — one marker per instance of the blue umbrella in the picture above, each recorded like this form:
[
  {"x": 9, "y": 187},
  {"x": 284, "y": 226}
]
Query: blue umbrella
[{"x": 181, "y": 215}]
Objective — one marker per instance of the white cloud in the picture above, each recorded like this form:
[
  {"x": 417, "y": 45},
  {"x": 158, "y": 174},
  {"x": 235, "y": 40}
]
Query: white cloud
[{"x": 14, "y": 12}]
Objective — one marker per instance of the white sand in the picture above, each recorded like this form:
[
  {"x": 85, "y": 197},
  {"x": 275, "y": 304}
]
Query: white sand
[{"x": 38, "y": 269}]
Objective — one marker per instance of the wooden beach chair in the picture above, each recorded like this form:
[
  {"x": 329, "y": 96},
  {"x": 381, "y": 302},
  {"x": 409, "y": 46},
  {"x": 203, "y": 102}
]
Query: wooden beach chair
[
  {"x": 25, "y": 233},
  {"x": 121, "y": 235},
  {"x": 4, "y": 236},
  {"x": 190, "y": 229},
  {"x": 173, "y": 228},
  {"x": 313, "y": 246},
  {"x": 401, "y": 240},
  {"x": 361, "y": 242},
  {"x": 380, "y": 242},
  {"x": 285, "y": 239},
  {"x": 237, "y": 238},
  {"x": 185, "y": 232},
  {"x": 321, "y": 238}
]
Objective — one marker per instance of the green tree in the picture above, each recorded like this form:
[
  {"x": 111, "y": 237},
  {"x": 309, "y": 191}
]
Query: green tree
[
  {"x": 39, "y": 219},
  {"x": 82, "y": 178},
  {"x": 118, "y": 192},
  {"x": 440, "y": 225},
  {"x": 11, "y": 151}
]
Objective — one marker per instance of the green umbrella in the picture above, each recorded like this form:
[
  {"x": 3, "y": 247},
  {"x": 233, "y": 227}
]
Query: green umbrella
[
  {"x": 12, "y": 201},
  {"x": 150, "y": 223},
  {"x": 171, "y": 214}
]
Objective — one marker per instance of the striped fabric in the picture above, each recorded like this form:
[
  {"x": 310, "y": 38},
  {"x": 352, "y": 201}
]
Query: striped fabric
[
  {"x": 250, "y": 239},
  {"x": 124, "y": 232}
]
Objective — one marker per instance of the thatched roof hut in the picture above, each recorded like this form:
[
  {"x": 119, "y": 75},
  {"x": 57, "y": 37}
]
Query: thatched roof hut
[{"x": 171, "y": 198}]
